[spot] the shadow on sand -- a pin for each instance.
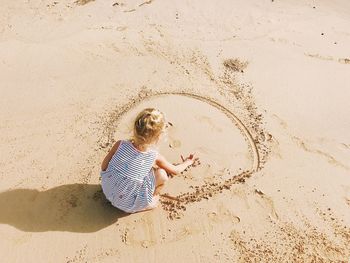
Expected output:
(73, 207)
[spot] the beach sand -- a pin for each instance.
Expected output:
(258, 89)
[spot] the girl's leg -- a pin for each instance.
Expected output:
(161, 177)
(154, 204)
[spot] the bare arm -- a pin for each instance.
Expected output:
(161, 162)
(109, 156)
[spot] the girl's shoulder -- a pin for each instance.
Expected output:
(154, 153)
(129, 144)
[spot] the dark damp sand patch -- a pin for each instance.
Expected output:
(235, 64)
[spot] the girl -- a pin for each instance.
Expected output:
(133, 172)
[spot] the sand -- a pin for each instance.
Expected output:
(258, 89)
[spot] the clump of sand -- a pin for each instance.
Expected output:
(235, 64)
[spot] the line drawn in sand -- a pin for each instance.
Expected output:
(328, 58)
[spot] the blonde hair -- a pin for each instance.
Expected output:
(149, 124)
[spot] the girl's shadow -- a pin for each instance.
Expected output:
(73, 207)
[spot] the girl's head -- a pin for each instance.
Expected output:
(148, 126)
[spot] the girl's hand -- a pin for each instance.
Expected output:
(161, 162)
(190, 159)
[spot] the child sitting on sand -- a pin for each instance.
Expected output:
(133, 172)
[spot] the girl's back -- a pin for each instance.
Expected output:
(128, 181)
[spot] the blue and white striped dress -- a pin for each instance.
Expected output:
(128, 182)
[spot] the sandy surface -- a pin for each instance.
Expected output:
(259, 89)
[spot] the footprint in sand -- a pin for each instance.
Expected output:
(142, 233)
(209, 122)
(216, 217)
(267, 203)
(223, 214)
(185, 231)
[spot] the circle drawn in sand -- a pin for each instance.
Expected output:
(198, 125)
(226, 148)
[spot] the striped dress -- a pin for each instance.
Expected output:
(128, 182)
